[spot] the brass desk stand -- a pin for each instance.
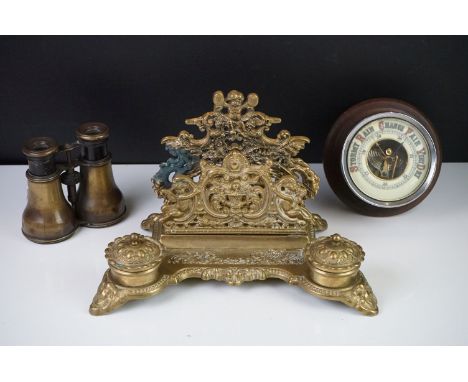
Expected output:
(234, 212)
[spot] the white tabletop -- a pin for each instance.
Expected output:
(416, 263)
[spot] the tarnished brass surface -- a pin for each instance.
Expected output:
(234, 211)
(99, 202)
(40, 147)
(92, 132)
(47, 218)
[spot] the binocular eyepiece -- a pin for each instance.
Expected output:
(98, 202)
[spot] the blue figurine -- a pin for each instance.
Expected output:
(181, 162)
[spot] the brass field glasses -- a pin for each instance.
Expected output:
(98, 202)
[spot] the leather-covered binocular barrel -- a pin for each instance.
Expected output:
(48, 217)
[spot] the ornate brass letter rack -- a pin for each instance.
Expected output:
(234, 212)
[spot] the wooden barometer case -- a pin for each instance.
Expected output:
(382, 157)
(234, 211)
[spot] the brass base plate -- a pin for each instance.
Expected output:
(233, 269)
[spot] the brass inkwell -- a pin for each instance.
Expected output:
(234, 211)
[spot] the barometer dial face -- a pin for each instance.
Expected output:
(388, 158)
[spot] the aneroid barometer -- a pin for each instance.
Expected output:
(382, 157)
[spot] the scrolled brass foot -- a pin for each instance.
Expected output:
(362, 298)
(334, 263)
(108, 297)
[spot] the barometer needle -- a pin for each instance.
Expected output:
(380, 148)
(401, 144)
(394, 167)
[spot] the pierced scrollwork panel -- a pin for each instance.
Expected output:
(235, 188)
(235, 124)
(236, 195)
(236, 177)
